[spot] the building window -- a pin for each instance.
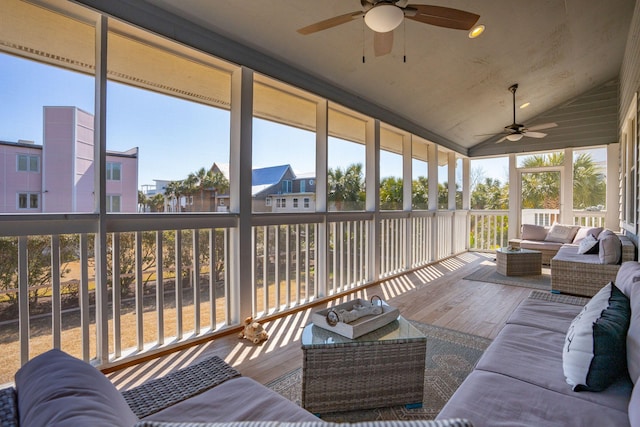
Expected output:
(113, 203)
(286, 186)
(295, 202)
(28, 163)
(306, 202)
(113, 171)
(267, 201)
(629, 162)
(303, 186)
(28, 200)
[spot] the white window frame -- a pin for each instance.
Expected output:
(629, 167)
(111, 167)
(29, 197)
(305, 202)
(28, 158)
(267, 201)
(295, 202)
(110, 199)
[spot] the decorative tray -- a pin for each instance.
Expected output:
(357, 327)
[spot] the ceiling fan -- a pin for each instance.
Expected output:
(515, 131)
(383, 16)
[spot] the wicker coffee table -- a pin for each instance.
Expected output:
(382, 368)
(520, 262)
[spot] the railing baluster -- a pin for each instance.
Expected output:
(159, 288)
(56, 303)
(212, 279)
(116, 289)
(84, 296)
(139, 292)
(23, 298)
(179, 299)
(195, 255)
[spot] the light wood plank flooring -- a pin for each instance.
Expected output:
(436, 294)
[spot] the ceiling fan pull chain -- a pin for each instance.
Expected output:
(404, 41)
(363, 40)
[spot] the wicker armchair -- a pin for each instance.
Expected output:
(586, 279)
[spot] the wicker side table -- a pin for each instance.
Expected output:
(382, 368)
(521, 262)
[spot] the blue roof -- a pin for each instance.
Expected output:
(268, 176)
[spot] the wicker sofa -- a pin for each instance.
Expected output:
(522, 377)
(55, 388)
(573, 272)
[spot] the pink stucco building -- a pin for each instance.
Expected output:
(57, 176)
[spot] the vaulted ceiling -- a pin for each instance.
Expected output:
(452, 90)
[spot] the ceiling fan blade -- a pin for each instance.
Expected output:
(382, 43)
(534, 134)
(504, 138)
(443, 16)
(331, 22)
(542, 126)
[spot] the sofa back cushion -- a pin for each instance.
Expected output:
(55, 388)
(586, 231)
(534, 232)
(562, 233)
(610, 247)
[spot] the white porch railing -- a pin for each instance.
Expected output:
(168, 276)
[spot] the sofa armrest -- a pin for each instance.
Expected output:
(8, 407)
(562, 298)
(452, 422)
(177, 386)
(628, 249)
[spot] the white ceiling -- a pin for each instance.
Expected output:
(451, 85)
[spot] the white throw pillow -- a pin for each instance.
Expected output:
(587, 244)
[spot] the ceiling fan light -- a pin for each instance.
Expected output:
(384, 18)
(515, 137)
(476, 31)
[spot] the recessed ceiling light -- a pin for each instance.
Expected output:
(525, 105)
(476, 31)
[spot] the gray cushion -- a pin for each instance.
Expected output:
(587, 231)
(634, 408)
(561, 233)
(533, 232)
(594, 354)
(55, 388)
(610, 249)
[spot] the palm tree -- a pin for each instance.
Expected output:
(220, 185)
(142, 201)
(345, 185)
(589, 184)
(172, 191)
(391, 193)
(420, 193)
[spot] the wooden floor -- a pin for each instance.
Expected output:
(436, 294)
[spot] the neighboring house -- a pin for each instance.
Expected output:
(278, 189)
(57, 176)
(274, 189)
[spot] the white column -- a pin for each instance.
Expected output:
(407, 195)
(514, 198)
(566, 188)
(612, 217)
(373, 195)
(240, 165)
(451, 180)
(322, 136)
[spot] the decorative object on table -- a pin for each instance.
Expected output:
(253, 331)
(355, 318)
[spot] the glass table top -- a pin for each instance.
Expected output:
(399, 329)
